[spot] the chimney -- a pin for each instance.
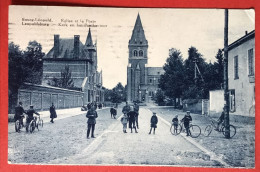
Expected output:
(56, 46)
(246, 32)
(76, 47)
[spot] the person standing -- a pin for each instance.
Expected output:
(19, 112)
(53, 113)
(186, 121)
(91, 115)
(154, 121)
(175, 122)
(132, 116)
(126, 108)
(136, 109)
(124, 121)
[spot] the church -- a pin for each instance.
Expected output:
(142, 81)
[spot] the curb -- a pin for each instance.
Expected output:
(212, 155)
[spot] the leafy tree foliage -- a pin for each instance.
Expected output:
(116, 95)
(179, 79)
(32, 64)
(171, 81)
(159, 98)
(24, 66)
(65, 81)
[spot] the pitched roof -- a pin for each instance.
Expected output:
(241, 40)
(155, 71)
(89, 41)
(138, 36)
(66, 50)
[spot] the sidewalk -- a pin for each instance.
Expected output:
(61, 113)
(238, 151)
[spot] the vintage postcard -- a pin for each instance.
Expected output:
(131, 86)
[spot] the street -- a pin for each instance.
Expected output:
(64, 142)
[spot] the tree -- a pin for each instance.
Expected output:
(65, 81)
(220, 68)
(24, 66)
(16, 74)
(116, 95)
(159, 98)
(191, 83)
(171, 82)
(33, 65)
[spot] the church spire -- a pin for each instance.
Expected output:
(138, 36)
(89, 41)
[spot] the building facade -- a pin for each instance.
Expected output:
(142, 81)
(82, 62)
(241, 75)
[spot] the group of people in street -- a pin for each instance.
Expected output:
(186, 122)
(19, 114)
(130, 116)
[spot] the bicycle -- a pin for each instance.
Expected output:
(220, 128)
(35, 124)
(194, 130)
(19, 124)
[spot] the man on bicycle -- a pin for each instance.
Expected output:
(19, 113)
(221, 118)
(29, 118)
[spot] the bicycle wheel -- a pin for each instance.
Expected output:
(177, 131)
(232, 129)
(17, 126)
(195, 131)
(32, 126)
(208, 130)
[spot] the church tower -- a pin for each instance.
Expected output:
(136, 74)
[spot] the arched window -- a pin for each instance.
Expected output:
(135, 53)
(141, 53)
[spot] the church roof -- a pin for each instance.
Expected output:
(155, 71)
(66, 50)
(138, 36)
(89, 41)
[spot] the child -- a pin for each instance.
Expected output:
(186, 120)
(154, 121)
(175, 123)
(124, 120)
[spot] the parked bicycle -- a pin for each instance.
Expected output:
(35, 124)
(220, 128)
(19, 124)
(195, 130)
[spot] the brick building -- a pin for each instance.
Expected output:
(241, 75)
(82, 62)
(142, 81)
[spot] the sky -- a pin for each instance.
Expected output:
(164, 28)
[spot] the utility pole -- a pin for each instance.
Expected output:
(226, 92)
(195, 70)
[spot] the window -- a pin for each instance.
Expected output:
(251, 69)
(232, 101)
(141, 53)
(236, 67)
(135, 53)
